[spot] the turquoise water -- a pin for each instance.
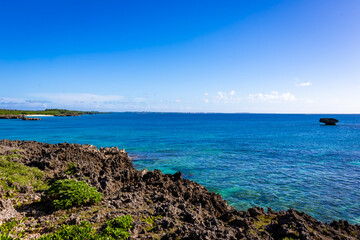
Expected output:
(267, 160)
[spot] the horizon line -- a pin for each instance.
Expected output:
(101, 111)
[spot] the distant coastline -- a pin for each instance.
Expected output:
(29, 114)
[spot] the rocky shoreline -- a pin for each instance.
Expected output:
(23, 117)
(177, 208)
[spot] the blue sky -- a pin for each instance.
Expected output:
(299, 56)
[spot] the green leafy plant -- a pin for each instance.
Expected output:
(68, 193)
(150, 221)
(118, 228)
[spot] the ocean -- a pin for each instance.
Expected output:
(269, 160)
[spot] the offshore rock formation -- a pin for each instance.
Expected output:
(179, 208)
(329, 121)
(30, 119)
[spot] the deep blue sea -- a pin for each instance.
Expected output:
(268, 160)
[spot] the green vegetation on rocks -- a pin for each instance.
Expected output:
(14, 175)
(69, 193)
(6, 237)
(8, 228)
(75, 232)
(117, 228)
(71, 169)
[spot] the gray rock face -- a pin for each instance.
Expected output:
(329, 121)
(7, 210)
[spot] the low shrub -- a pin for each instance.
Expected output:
(69, 193)
(13, 173)
(118, 228)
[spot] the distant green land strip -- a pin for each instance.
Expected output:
(54, 112)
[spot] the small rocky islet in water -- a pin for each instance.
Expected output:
(146, 204)
(329, 121)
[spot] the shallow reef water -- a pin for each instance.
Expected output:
(270, 160)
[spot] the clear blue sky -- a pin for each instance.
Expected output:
(285, 56)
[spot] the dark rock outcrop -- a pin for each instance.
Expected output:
(11, 116)
(20, 116)
(179, 208)
(329, 121)
(30, 119)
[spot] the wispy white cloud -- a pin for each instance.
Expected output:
(226, 97)
(5, 100)
(303, 84)
(80, 97)
(221, 96)
(81, 101)
(272, 97)
(87, 100)
(18, 103)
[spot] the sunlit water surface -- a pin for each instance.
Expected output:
(267, 160)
